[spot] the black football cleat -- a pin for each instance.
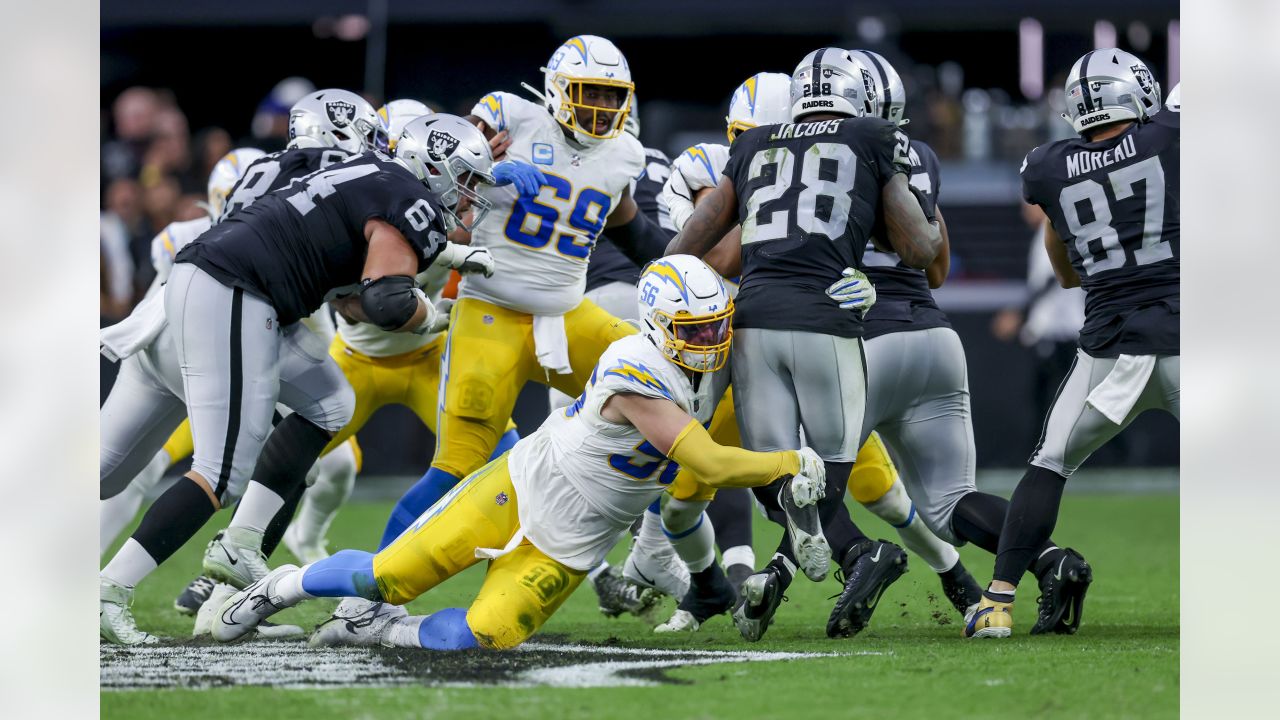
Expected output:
(870, 568)
(1062, 589)
(738, 574)
(759, 600)
(961, 589)
(194, 595)
(709, 594)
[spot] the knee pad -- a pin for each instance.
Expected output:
(679, 516)
(873, 472)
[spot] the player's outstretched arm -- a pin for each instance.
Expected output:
(726, 257)
(390, 298)
(711, 219)
(915, 239)
(941, 266)
(638, 236)
(1057, 249)
(678, 436)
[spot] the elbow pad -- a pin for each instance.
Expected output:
(390, 301)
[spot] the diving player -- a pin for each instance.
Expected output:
(1112, 201)
(535, 324)
(552, 507)
(810, 193)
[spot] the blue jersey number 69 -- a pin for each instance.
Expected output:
(587, 213)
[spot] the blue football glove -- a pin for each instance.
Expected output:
(853, 291)
(524, 176)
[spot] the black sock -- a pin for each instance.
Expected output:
(730, 514)
(979, 519)
(1032, 515)
(290, 451)
(173, 519)
(785, 576)
(275, 531)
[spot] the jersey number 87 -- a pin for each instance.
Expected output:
(532, 222)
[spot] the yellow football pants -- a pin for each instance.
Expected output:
(489, 357)
(521, 589)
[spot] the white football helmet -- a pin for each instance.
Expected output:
(829, 80)
(1107, 86)
(226, 173)
(632, 124)
(396, 114)
(686, 312)
(450, 156)
(1174, 101)
(588, 61)
(764, 99)
(337, 119)
(891, 96)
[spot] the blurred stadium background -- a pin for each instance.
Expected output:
(182, 84)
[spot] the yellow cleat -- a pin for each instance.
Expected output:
(992, 619)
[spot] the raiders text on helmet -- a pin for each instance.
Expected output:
(830, 80)
(1109, 85)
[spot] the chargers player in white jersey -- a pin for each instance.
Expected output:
(551, 508)
(535, 324)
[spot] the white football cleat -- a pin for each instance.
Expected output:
(115, 622)
(657, 567)
(217, 597)
(813, 554)
(242, 612)
(357, 621)
(307, 550)
(681, 621)
(234, 556)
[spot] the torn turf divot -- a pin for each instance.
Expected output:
(293, 665)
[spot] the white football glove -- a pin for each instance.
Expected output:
(437, 319)
(854, 291)
(466, 259)
(810, 485)
(695, 169)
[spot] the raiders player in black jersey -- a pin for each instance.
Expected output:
(808, 194)
(1112, 201)
(355, 234)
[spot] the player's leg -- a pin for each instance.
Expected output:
(521, 591)
(335, 473)
(487, 359)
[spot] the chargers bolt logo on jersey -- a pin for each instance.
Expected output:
(440, 144)
(340, 112)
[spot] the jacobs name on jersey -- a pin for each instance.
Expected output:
(808, 196)
(1115, 204)
(305, 244)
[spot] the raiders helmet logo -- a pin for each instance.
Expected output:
(441, 145)
(869, 84)
(340, 112)
(1143, 76)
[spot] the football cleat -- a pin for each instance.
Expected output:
(760, 598)
(869, 569)
(1062, 591)
(357, 621)
(115, 621)
(217, 597)
(657, 567)
(993, 619)
(194, 595)
(710, 594)
(804, 527)
(242, 612)
(307, 550)
(234, 557)
(618, 596)
(738, 574)
(961, 589)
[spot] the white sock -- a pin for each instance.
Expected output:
(895, 508)
(595, 572)
(403, 632)
(335, 478)
(116, 512)
(259, 504)
(131, 563)
(650, 534)
(740, 555)
(289, 588)
(690, 532)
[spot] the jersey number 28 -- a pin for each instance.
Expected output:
(774, 224)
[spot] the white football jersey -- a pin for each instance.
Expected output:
(174, 237)
(541, 247)
(580, 480)
(702, 165)
(373, 341)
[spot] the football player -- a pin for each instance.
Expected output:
(1111, 197)
(552, 507)
(535, 324)
(827, 175)
(355, 233)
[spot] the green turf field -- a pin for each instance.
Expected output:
(910, 663)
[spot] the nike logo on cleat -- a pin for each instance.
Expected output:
(876, 557)
(1057, 575)
(229, 557)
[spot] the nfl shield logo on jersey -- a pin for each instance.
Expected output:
(340, 113)
(440, 144)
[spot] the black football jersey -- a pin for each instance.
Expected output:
(1115, 205)
(608, 263)
(272, 172)
(808, 198)
(903, 299)
(305, 244)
